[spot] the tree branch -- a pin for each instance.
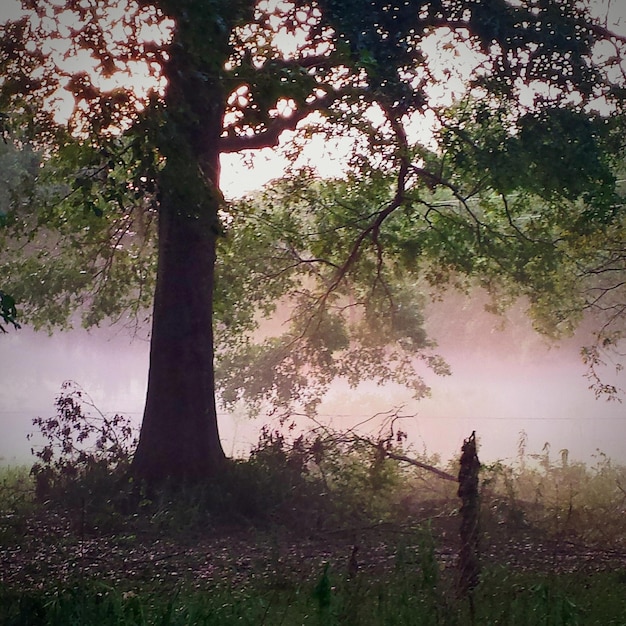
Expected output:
(605, 33)
(270, 137)
(424, 466)
(373, 229)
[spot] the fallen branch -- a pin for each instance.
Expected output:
(425, 466)
(379, 444)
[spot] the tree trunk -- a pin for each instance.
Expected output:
(179, 437)
(179, 434)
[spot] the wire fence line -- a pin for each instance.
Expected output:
(491, 418)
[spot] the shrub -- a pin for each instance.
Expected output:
(325, 477)
(304, 482)
(83, 450)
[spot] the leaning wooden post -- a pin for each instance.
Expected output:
(469, 564)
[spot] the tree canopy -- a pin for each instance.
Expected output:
(485, 144)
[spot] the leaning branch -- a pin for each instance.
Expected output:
(424, 466)
(380, 445)
(395, 456)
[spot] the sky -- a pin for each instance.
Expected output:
(504, 380)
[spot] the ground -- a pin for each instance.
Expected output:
(52, 547)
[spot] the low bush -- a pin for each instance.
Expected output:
(303, 482)
(84, 453)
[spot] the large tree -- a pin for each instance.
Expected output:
(524, 99)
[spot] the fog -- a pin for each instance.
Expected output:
(504, 381)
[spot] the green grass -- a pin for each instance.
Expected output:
(16, 487)
(403, 598)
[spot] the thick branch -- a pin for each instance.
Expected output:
(373, 229)
(351, 436)
(605, 33)
(270, 137)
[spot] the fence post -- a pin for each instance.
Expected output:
(469, 563)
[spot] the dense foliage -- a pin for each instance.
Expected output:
(485, 144)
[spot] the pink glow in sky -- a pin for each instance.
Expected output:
(503, 382)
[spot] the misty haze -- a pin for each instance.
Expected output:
(506, 378)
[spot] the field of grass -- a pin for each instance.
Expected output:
(311, 531)
(401, 598)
